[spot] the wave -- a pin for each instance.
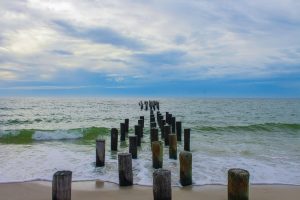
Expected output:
(25, 136)
(266, 127)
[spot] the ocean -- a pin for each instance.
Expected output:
(39, 136)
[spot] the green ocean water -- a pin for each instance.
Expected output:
(47, 134)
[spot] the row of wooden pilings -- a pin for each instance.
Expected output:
(151, 104)
(171, 132)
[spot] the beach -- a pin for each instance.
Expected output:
(91, 190)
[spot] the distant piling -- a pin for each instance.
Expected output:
(114, 139)
(157, 154)
(162, 129)
(125, 169)
(178, 130)
(162, 189)
(141, 123)
(122, 132)
(173, 146)
(152, 125)
(153, 134)
(100, 153)
(133, 146)
(61, 185)
(173, 124)
(238, 184)
(137, 132)
(167, 131)
(187, 133)
(126, 126)
(185, 159)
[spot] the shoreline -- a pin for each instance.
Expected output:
(39, 190)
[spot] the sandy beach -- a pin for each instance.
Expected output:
(103, 190)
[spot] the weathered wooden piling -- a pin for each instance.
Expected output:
(114, 139)
(173, 124)
(157, 154)
(238, 184)
(153, 134)
(162, 189)
(152, 125)
(169, 118)
(185, 159)
(122, 132)
(152, 118)
(137, 132)
(173, 146)
(167, 131)
(125, 169)
(162, 129)
(133, 146)
(61, 185)
(143, 118)
(127, 125)
(187, 133)
(100, 153)
(141, 123)
(178, 130)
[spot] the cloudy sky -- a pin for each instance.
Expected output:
(225, 48)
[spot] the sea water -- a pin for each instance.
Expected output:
(39, 136)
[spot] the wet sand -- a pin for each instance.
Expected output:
(91, 190)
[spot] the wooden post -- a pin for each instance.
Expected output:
(167, 131)
(141, 123)
(137, 132)
(162, 189)
(238, 184)
(172, 146)
(152, 125)
(143, 118)
(152, 118)
(178, 130)
(61, 185)
(122, 132)
(133, 146)
(168, 120)
(185, 159)
(187, 133)
(162, 129)
(125, 169)
(153, 134)
(173, 123)
(157, 154)
(100, 153)
(127, 125)
(114, 139)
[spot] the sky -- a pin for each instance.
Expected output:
(201, 48)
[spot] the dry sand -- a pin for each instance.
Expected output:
(90, 190)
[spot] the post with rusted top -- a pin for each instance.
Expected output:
(126, 126)
(185, 159)
(137, 132)
(178, 130)
(100, 153)
(133, 146)
(173, 146)
(153, 134)
(157, 154)
(122, 132)
(187, 133)
(167, 131)
(238, 184)
(162, 189)
(114, 139)
(125, 169)
(61, 185)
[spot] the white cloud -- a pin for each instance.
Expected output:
(219, 38)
